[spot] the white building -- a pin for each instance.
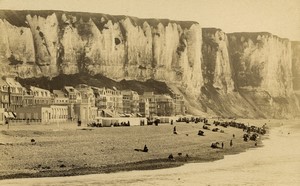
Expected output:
(41, 96)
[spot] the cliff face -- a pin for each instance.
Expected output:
(262, 64)
(248, 74)
(262, 61)
(239, 74)
(296, 65)
(117, 47)
(217, 68)
(296, 68)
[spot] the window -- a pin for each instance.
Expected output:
(35, 116)
(5, 88)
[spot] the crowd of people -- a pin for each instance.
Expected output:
(260, 130)
(115, 124)
(251, 132)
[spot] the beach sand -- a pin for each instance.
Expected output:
(68, 150)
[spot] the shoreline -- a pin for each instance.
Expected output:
(152, 164)
(148, 164)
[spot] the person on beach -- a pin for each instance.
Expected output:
(174, 130)
(222, 145)
(231, 143)
(233, 135)
(156, 122)
(171, 157)
(145, 148)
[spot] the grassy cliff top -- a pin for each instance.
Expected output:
(18, 18)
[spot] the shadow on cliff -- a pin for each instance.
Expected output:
(228, 104)
(58, 82)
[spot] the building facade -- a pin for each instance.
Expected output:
(144, 107)
(85, 110)
(110, 100)
(130, 102)
(83, 103)
(28, 98)
(60, 98)
(37, 113)
(15, 94)
(102, 98)
(150, 96)
(73, 94)
(4, 96)
(43, 114)
(179, 108)
(165, 105)
(41, 96)
(59, 113)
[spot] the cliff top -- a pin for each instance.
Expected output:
(18, 18)
(253, 35)
(210, 30)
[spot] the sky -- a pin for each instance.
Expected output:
(279, 17)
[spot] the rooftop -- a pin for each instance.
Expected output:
(70, 89)
(59, 93)
(2, 82)
(33, 88)
(12, 82)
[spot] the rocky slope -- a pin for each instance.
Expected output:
(239, 74)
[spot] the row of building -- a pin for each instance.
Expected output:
(82, 102)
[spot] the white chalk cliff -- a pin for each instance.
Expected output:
(238, 74)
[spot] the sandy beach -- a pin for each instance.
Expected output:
(68, 150)
(276, 163)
